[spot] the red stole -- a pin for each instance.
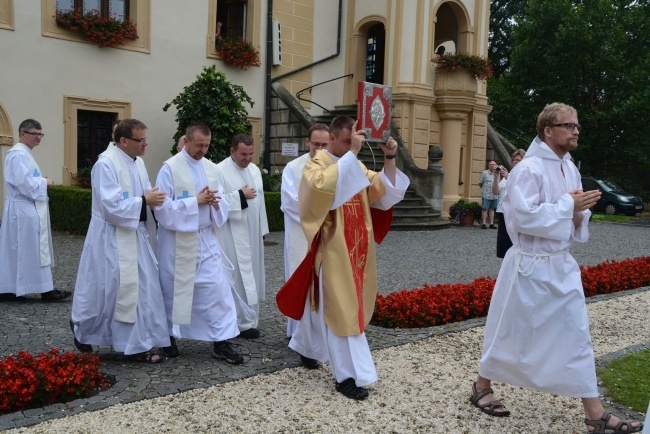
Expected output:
(292, 295)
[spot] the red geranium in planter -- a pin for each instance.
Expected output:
(237, 52)
(101, 31)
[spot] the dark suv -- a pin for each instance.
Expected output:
(614, 200)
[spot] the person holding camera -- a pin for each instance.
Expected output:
(489, 199)
(499, 188)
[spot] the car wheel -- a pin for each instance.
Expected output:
(611, 209)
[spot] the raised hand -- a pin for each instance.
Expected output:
(390, 147)
(357, 139)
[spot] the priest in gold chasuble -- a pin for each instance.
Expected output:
(344, 209)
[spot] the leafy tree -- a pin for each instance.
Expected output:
(593, 55)
(504, 15)
(216, 102)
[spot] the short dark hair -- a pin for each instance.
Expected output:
(198, 127)
(241, 138)
(318, 127)
(125, 128)
(341, 123)
(29, 124)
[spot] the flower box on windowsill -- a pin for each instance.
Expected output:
(237, 52)
(98, 30)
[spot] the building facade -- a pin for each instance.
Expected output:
(75, 89)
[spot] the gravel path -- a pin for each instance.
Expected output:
(423, 387)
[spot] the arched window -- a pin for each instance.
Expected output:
(375, 49)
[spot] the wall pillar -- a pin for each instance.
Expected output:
(451, 126)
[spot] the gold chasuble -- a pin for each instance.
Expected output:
(342, 249)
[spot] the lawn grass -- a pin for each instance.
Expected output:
(598, 217)
(628, 380)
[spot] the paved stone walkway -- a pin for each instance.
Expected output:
(405, 260)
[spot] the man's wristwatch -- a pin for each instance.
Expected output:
(390, 157)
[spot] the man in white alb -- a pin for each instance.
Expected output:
(193, 275)
(242, 237)
(295, 244)
(25, 237)
(537, 330)
(117, 297)
(344, 210)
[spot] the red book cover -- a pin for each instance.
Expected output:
(374, 110)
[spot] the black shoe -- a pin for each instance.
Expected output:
(84, 348)
(55, 295)
(493, 226)
(349, 388)
(224, 350)
(251, 333)
(483, 226)
(309, 363)
(172, 350)
(12, 297)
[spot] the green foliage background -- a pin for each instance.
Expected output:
(591, 54)
(213, 100)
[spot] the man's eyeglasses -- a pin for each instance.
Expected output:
(319, 145)
(31, 133)
(568, 125)
(143, 140)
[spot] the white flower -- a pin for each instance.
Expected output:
(264, 171)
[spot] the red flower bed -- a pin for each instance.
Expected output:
(444, 303)
(27, 381)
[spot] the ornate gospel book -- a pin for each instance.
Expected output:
(374, 105)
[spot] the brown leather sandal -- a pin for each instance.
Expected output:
(600, 425)
(145, 357)
(493, 408)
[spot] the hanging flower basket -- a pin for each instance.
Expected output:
(477, 66)
(237, 52)
(98, 30)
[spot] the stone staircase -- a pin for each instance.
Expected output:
(413, 213)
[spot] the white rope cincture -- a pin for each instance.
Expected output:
(526, 272)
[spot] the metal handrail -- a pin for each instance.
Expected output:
(300, 92)
(515, 135)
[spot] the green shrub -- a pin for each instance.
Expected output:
(273, 212)
(216, 102)
(70, 208)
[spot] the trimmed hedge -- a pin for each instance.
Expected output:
(70, 209)
(273, 213)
